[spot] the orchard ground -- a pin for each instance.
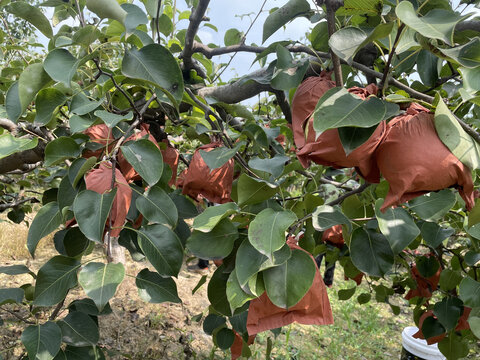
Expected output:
(138, 330)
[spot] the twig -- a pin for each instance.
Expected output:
(18, 316)
(56, 311)
(383, 83)
(157, 26)
(16, 203)
(358, 190)
(195, 19)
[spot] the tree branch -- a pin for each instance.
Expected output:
(13, 204)
(8, 125)
(19, 160)
(195, 19)
(473, 25)
(284, 105)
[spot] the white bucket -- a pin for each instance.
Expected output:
(419, 347)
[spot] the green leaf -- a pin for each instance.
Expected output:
(434, 205)
(250, 261)
(287, 284)
(10, 145)
(212, 215)
(431, 327)
(449, 279)
(100, 281)
(462, 145)
(145, 158)
(200, 283)
(157, 207)
(217, 291)
(47, 219)
(467, 55)
(91, 211)
(364, 298)
(235, 295)
(448, 311)
(436, 24)
(353, 137)
(54, 279)
(326, 216)
(427, 65)
(61, 149)
(216, 244)
(472, 258)
(15, 270)
(79, 329)
(156, 64)
(345, 294)
(272, 166)
(267, 231)
(471, 78)
(22, 93)
(112, 120)
(434, 235)
(319, 37)
(82, 105)
(253, 191)
(162, 248)
(107, 9)
(33, 15)
(280, 17)
(232, 37)
(42, 341)
(185, 207)
(453, 346)
(46, 102)
(371, 252)
(224, 338)
(218, 157)
(83, 353)
(346, 42)
(339, 108)
(360, 7)
(79, 168)
(288, 73)
(427, 266)
(212, 322)
(75, 243)
(397, 225)
(469, 291)
(156, 289)
(61, 65)
(474, 322)
(135, 16)
(11, 295)
(86, 35)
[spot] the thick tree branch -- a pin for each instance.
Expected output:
(8, 125)
(284, 105)
(19, 160)
(195, 19)
(16, 203)
(473, 25)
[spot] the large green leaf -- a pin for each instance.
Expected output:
(83, 353)
(91, 211)
(471, 78)
(339, 108)
(100, 281)
(79, 329)
(216, 244)
(326, 216)
(462, 145)
(235, 295)
(469, 291)
(145, 158)
(10, 144)
(135, 16)
(288, 12)
(22, 93)
(16, 270)
(436, 24)
(267, 231)
(434, 235)
(82, 105)
(272, 166)
(32, 14)
(218, 157)
(252, 191)
(112, 120)
(162, 248)
(61, 65)
(157, 207)
(474, 322)
(250, 261)
(217, 291)
(453, 347)
(434, 205)
(353, 137)
(42, 341)
(46, 102)
(156, 289)
(107, 9)
(48, 218)
(467, 55)
(156, 64)
(54, 279)
(371, 252)
(61, 149)
(397, 225)
(212, 215)
(11, 295)
(289, 73)
(448, 311)
(449, 279)
(287, 284)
